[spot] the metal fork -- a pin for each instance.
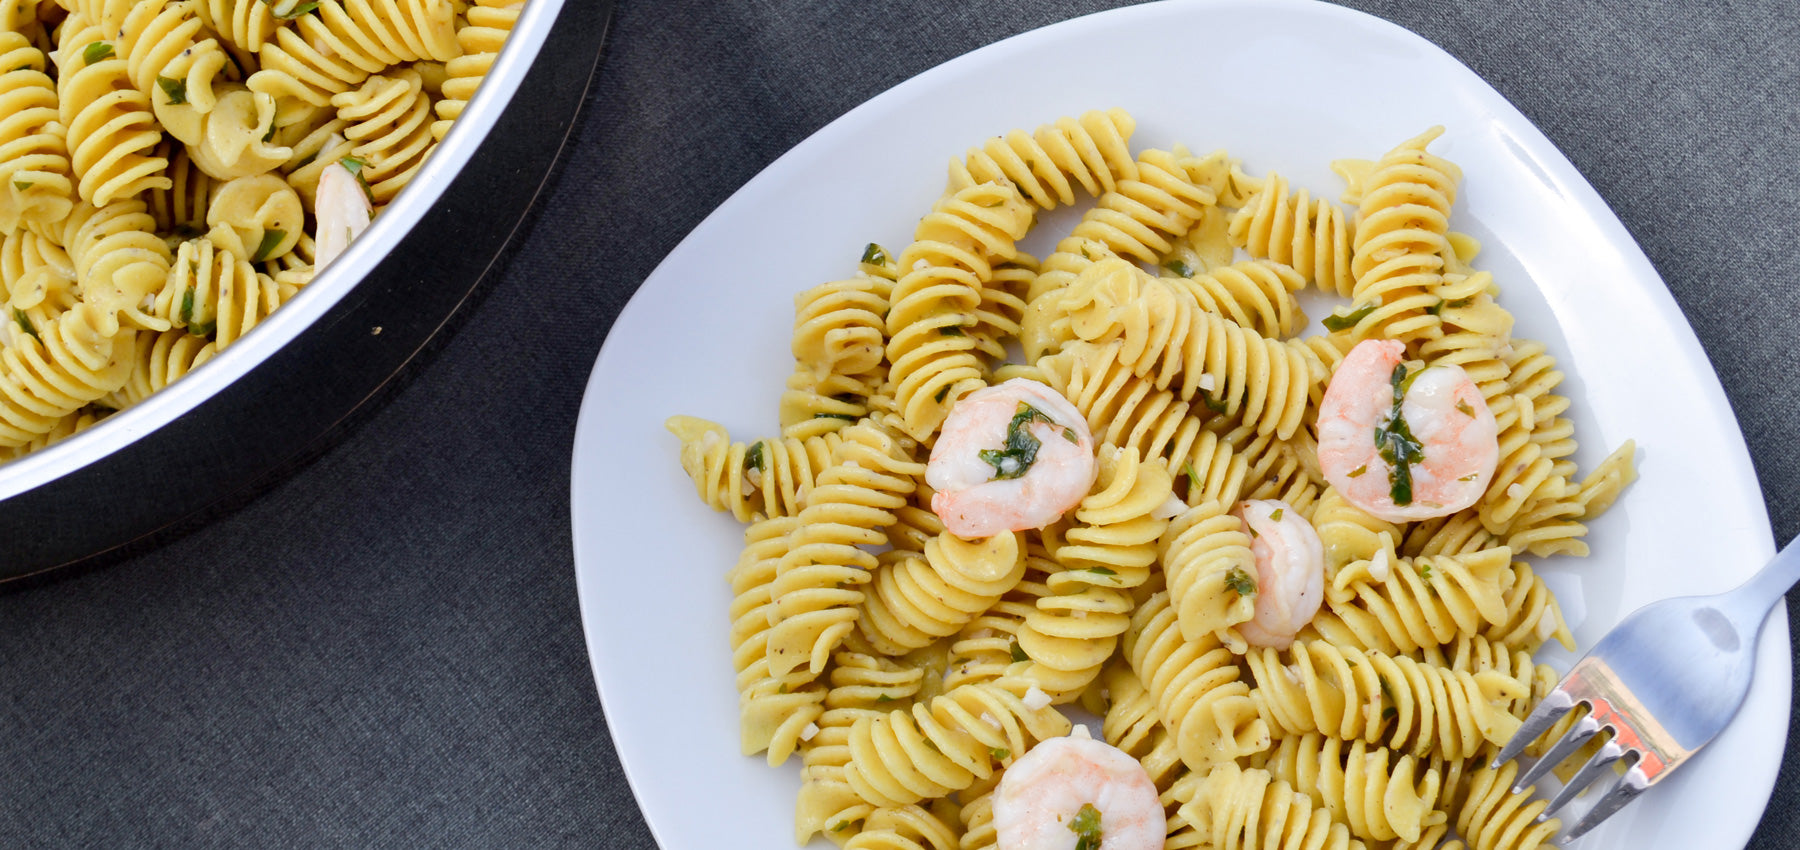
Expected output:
(1663, 683)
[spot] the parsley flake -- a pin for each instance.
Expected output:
(951, 330)
(176, 90)
(1357, 471)
(287, 10)
(1277, 514)
(1102, 571)
(753, 457)
(1424, 570)
(1240, 582)
(1179, 268)
(1022, 446)
(1396, 444)
(844, 416)
(939, 398)
(271, 240)
(1000, 753)
(1086, 826)
(25, 323)
(95, 52)
(1341, 321)
(1018, 652)
(875, 255)
(1464, 408)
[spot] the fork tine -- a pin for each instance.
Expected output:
(1584, 777)
(1629, 786)
(1571, 741)
(1549, 710)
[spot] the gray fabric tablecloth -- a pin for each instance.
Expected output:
(385, 650)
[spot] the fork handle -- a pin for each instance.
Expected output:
(1749, 604)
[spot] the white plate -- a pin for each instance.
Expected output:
(1284, 85)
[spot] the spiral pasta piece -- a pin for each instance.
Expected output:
(934, 362)
(1166, 338)
(36, 183)
(1002, 309)
(342, 42)
(1400, 241)
(773, 710)
(861, 686)
(1197, 686)
(1348, 532)
(839, 327)
(214, 294)
(67, 427)
(904, 828)
(180, 209)
(1090, 151)
(1122, 408)
(161, 358)
(1392, 700)
(390, 127)
(1379, 794)
(1413, 603)
(172, 58)
(817, 595)
(1211, 572)
(1526, 472)
(913, 600)
(1257, 295)
(65, 365)
(489, 23)
(120, 263)
(259, 218)
(112, 133)
(243, 25)
(35, 272)
(946, 745)
(764, 478)
(1312, 237)
(1073, 629)
(1492, 817)
(1238, 808)
(987, 649)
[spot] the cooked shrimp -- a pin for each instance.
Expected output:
(1011, 457)
(342, 212)
(1290, 572)
(1430, 455)
(1066, 788)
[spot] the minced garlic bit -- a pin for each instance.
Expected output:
(1036, 699)
(1170, 508)
(990, 720)
(1080, 730)
(1379, 568)
(810, 730)
(753, 478)
(1515, 491)
(709, 439)
(1208, 383)
(1546, 625)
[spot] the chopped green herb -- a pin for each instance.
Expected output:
(271, 240)
(1102, 570)
(271, 134)
(849, 398)
(1389, 713)
(304, 162)
(1424, 568)
(1340, 321)
(1436, 309)
(1179, 268)
(1277, 514)
(1000, 753)
(951, 330)
(997, 202)
(1086, 826)
(1396, 443)
(1464, 408)
(753, 457)
(1085, 255)
(1240, 582)
(1461, 302)
(356, 166)
(95, 52)
(847, 417)
(1018, 652)
(1470, 477)
(1069, 434)
(875, 255)
(205, 329)
(25, 67)
(176, 90)
(1021, 445)
(884, 698)
(939, 398)
(287, 10)
(1386, 693)
(1215, 405)
(187, 306)
(22, 185)
(1357, 471)
(25, 322)
(1188, 467)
